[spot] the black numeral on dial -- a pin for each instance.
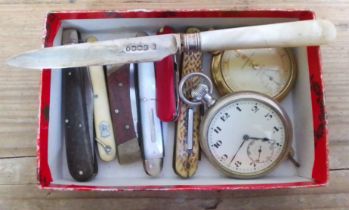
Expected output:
(217, 144)
(217, 129)
(255, 108)
(225, 116)
(276, 129)
(253, 164)
(268, 116)
(223, 157)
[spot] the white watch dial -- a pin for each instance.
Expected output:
(246, 136)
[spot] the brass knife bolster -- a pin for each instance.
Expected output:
(186, 160)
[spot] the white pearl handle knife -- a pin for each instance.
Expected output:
(102, 118)
(152, 141)
(154, 48)
(151, 131)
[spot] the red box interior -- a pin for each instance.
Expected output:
(320, 168)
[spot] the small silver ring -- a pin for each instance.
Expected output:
(181, 86)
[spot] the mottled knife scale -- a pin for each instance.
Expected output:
(77, 117)
(186, 154)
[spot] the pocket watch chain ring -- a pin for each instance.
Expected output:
(201, 93)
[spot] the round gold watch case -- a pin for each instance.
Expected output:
(223, 86)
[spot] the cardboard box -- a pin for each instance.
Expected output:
(304, 105)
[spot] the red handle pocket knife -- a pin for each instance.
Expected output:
(166, 92)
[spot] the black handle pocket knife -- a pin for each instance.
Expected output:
(77, 117)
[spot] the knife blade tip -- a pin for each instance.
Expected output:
(23, 60)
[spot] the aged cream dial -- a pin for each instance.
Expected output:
(271, 71)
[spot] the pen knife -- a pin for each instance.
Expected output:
(166, 80)
(157, 47)
(123, 109)
(102, 119)
(187, 149)
(77, 112)
(151, 131)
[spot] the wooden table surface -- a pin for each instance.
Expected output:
(21, 24)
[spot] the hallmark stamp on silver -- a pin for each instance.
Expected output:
(140, 47)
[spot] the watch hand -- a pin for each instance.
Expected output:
(248, 60)
(245, 138)
(256, 138)
(270, 78)
(259, 153)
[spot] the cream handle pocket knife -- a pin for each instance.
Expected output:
(102, 118)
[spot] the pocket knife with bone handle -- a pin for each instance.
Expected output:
(187, 149)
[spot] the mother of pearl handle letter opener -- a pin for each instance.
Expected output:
(157, 47)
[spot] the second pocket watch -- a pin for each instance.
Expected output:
(271, 71)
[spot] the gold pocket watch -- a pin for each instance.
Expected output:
(271, 71)
(244, 134)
